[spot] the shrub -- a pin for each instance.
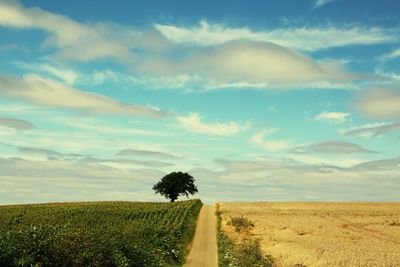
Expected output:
(241, 223)
(240, 254)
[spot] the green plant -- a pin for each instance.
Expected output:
(241, 223)
(239, 254)
(174, 185)
(97, 234)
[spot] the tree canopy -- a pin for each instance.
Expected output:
(176, 184)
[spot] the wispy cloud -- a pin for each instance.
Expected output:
(336, 117)
(64, 74)
(388, 76)
(390, 56)
(258, 139)
(302, 39)
(145, 153)
(194, 123)
(392, 164)
(333, 147)
(147, 163)
(17, 124)
(256, 166)
(75, 41)
(293, 168)
(61, 180)
(371, 130)
(265, 58)
(47, 92)
(48, 153)
(292, 176)
(321, 3)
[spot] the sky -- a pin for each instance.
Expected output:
(257, 100)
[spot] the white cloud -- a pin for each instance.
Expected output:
(76, 41)
(61, 180)
(6, 131)
(390, 56)
(336, 117)
(333, 147)
(193, 123)
(146, 153)
(320, 3)
(242, 59)
(114, 130)
(303, 39)
(371, 130)
(47, 92)
(120, 162)
(258, 139)
(315, 159)
(395, 77)
(249, 62)
(64, 74)
(379, 103)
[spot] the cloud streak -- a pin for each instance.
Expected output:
(17, 124)
(145, 153)
(302, 39)
(193, 123)
(334, 147)
(47, 92)
(371, 130)
(336, 117)
(48, 153)
(321, 3)
(61, 180)
(390, 56)
(258, 140)
(147, 163)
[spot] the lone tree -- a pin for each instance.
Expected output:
(176, 184)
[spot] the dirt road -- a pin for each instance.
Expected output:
(204, 249)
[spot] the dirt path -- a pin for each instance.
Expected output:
(204, 248)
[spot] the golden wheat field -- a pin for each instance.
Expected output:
(322, 234)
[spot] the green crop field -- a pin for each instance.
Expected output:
(97, 233)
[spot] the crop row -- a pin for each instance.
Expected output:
(97, 234)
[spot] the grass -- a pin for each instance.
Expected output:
(246, 253)
(97, 234)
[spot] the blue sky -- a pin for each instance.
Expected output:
(258, 100)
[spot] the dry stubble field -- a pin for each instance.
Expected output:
(322, 234)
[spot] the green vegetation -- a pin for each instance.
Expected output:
(241, 223)
(246, 253)
(176, 184)
(97, 234)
